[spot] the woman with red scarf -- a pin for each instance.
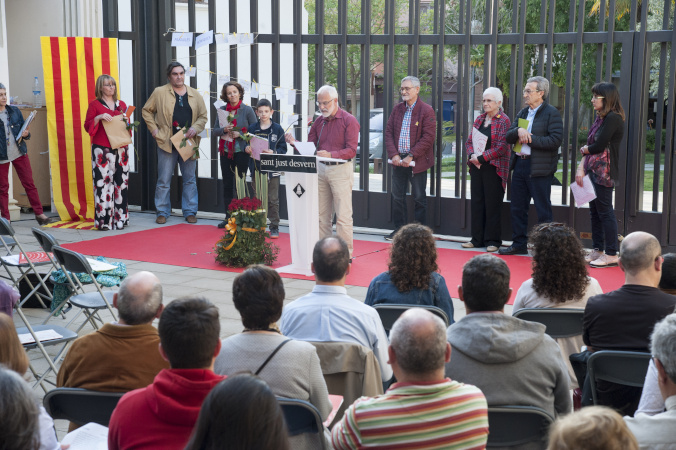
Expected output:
(231, 146)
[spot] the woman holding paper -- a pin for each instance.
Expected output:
(488, 160)
(110, 166)
(600, 164)
(13, 149)
(231, 145)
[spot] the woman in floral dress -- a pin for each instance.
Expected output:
(110, 166)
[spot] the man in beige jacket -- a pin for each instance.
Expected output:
(170, 108)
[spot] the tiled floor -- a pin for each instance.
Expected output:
(178, 281)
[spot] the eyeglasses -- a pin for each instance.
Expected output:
(323, 104)
(108, 85)
(528, 91)
(406, 89)
(594, 97)
(546, 226)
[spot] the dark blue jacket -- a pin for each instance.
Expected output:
(276, 142)
(15, 123)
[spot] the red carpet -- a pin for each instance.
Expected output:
(192, 246)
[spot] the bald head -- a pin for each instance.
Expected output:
(330, 259)
(139, 299)
(418, 339)
(638, 252)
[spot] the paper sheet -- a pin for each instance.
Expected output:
(191, 72)
(258, 146)
(306, 148)
(519, 148)
(291, 100)
(44, 335)
(204, 39)
(233, 39)
(479, 141)
(26, 124)
(254, 90)
(411, 164)
(88, 437)
(280, 93)
(181, 39)
(218, 103)
(243, 38)
(222, 79)
(222, 117)
(584, 194)
(246, 84)
(100, 266)
(187, 151)
(221, 38)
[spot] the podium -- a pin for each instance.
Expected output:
(302, 204)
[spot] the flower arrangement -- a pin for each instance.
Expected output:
(184, 141)
(245, 241)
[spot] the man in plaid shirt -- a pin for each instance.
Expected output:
(409, 139)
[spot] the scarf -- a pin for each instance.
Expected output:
(223, 142)
(594, 128)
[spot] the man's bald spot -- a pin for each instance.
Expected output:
(143, 281)
(139, 298)
(420, 324)
(638, 251)
(418, 339)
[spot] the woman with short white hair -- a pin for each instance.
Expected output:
(488, 168)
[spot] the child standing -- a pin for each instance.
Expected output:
(274, 133)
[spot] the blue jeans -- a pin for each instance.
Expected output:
(400, 178)
(603, 221)
(166, 163)
(525, 187)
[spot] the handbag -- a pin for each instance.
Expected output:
(117, 132)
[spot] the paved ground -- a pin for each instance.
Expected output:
(178, 281)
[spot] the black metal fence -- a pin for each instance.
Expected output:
(457, 48)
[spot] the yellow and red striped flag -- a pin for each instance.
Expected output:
(71, 66)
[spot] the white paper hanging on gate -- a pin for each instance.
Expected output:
(479, 141)
(280, 93)
(222, 79)
(254, 90)
(221, 38)
(243, 38)
(191, 72)
(246, 84)
(292, 97)
(233, 39)
(204, 39)
(181, 39)
(583, 194)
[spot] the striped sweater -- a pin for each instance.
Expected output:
(436, 415)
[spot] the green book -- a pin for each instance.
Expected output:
(523, 123)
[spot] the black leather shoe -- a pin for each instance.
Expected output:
(511, 250)
(223, 224)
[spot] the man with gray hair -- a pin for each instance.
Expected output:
(335, 134)
(538, 129)
(623, 319)
(409, 141)
(120, 356)
(659, 431)
(423, 409)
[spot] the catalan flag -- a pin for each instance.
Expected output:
(71, 66)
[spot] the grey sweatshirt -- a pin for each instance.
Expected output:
(511, 360)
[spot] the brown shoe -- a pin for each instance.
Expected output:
(191, 219)
(161, 220)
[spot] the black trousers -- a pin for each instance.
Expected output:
(487, 195)
(241, 162)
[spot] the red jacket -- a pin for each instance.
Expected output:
(163, 414)
(423, 130)
(96, 130)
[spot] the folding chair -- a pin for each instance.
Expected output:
(13, 263)
(48, 242)
(81, 406)
(517, 425)
(89, 302)
(560, 322)
(67, 336)
(302, 417)
(619, 367)
(389, 313)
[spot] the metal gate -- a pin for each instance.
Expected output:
(457, 48)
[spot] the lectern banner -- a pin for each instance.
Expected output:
(272, 162)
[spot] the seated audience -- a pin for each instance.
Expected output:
(651, 402)
(291, 368)
(623, 319)
(559, 280)
(591, 428)
(511, 360)
(412, 276)
(14, 357)
(240, 413)
(659, 431)
(120, 356)
(328, 314)
(19, 424)
(423, 409)
(163, 414)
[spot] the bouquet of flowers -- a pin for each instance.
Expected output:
(245, 242)
(184, 141)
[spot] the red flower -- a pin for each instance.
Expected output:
(234, 123)
(175, 124)
(244, 130)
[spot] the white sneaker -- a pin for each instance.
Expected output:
(605, 261)
(467, 245)
(593, 255)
